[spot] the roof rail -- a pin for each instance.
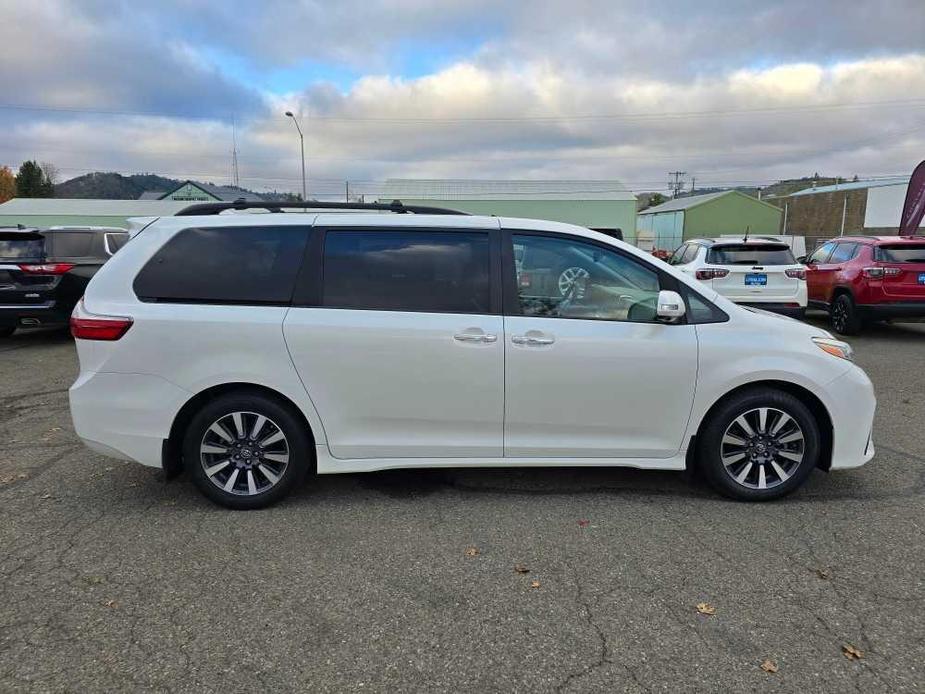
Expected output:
(396, 206)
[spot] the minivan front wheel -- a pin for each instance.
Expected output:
(246, 451)
(759, 445)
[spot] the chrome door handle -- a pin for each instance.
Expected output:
(475, 337)
(531, 340)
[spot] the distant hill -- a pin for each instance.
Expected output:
(113, 186)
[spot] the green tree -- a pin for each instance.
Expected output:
(32, 182)
(656, 199)
(7, 184)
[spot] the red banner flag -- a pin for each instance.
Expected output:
(914, 208)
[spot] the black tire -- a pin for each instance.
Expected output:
(6, 331)
(711, 446)
(844, 316)
(281, 417)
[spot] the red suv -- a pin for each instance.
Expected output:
(868, 278)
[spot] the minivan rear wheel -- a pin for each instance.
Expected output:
(6, 331)
(246, 451)
(759, 445)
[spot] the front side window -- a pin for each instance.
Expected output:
(690, 254)
(568, 278)
(409, 270)
(843, 252)
(225, 265)
(821, 254)
(677, 258)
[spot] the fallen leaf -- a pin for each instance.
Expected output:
(769, 666)
(825, 573)
(521, 569)
(110, 603)
(22, 475)
(705, 608)
(534, 584)
(45, 496)
(850, 652)
(472, 551)
(583, 523)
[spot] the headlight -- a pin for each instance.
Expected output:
(836, 348)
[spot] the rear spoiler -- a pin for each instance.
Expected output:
(136, 225)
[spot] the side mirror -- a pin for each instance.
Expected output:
(670, 307)
(802, 259)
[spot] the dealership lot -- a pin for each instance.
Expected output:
(114, 579)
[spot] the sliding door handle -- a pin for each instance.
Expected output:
(532, 340)
(484, 338)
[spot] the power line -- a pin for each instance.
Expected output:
(492, 119)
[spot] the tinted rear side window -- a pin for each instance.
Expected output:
(901, 253)
(434, 271)
(75, 244)
(751, 254)
(20, 246)
(236, 265)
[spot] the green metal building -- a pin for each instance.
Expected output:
(47, 212)
(668, 225)
(603, 205)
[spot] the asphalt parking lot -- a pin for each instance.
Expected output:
(116, 580)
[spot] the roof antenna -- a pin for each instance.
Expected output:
(746, 233)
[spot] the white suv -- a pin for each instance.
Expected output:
(252, 349)
(759, 272)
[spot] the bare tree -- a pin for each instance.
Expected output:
(52, 174)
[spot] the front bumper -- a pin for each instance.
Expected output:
(851, 404)
(783, 309)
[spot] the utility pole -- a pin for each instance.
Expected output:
(302, 146)
(693, 184)
(676, 185)
(346, 191)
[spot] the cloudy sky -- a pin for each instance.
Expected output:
(734, 92)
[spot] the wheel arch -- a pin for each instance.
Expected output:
(804, 395)
(172, 453)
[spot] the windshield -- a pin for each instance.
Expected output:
(21, 246)
(901, 253)
(751, 254)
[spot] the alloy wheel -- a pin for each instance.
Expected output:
(569, 277)
(762, 448)
(244, 453)
(839, 317)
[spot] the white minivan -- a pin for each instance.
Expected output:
(252, 349)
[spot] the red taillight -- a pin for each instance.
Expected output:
(711, 273)
(46, 268)
(99, 328)
(796, 274)
(878, 273)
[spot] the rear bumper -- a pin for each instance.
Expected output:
(25, 315)
(125, 416)
(783, 309)
(904, 309)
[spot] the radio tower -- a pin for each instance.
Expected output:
(234, 155)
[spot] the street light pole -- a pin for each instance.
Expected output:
(302, 145)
